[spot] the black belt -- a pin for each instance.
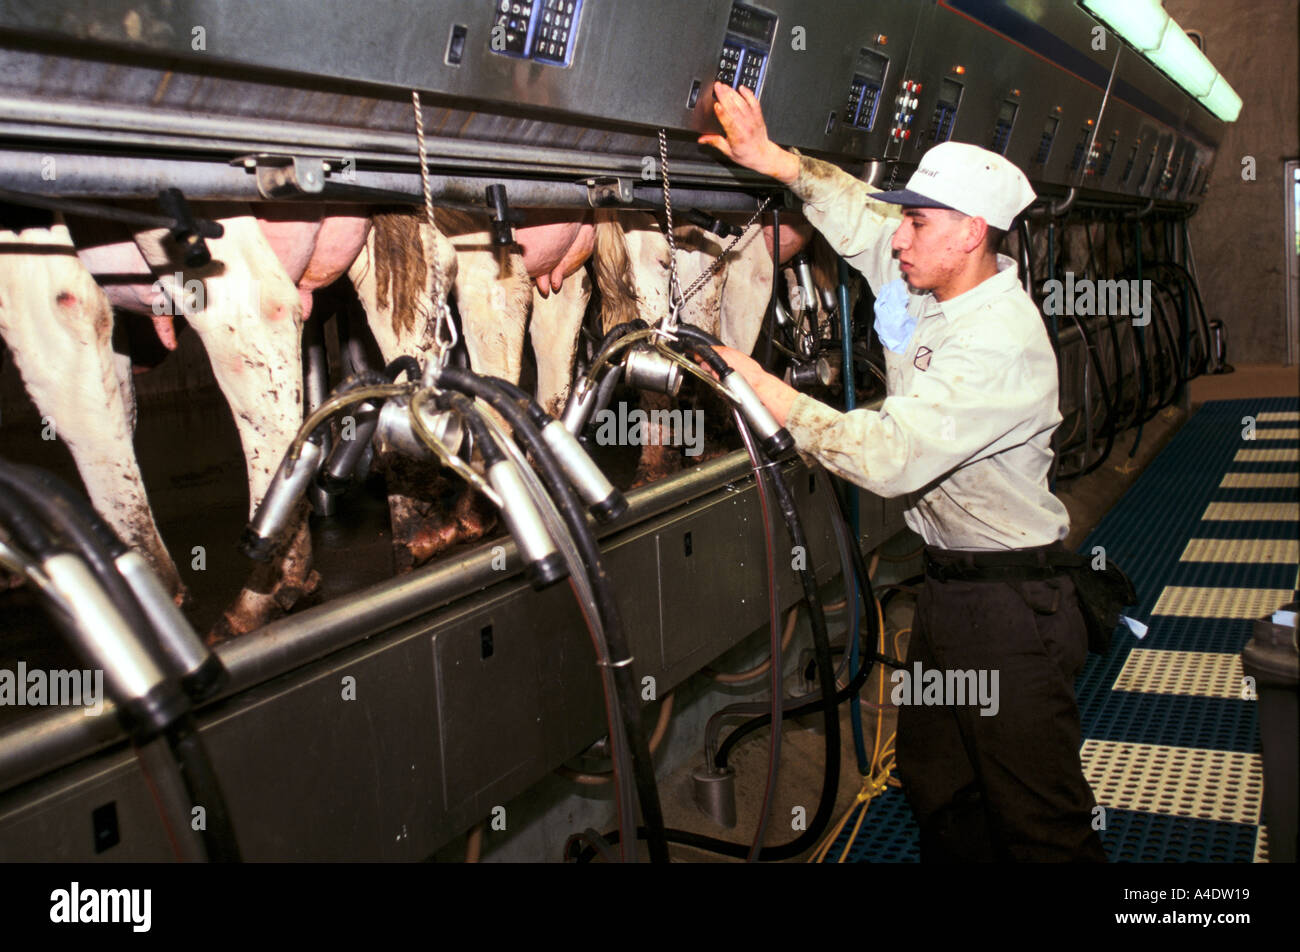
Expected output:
(1012, 565)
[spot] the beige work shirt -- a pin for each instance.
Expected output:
(965, 431)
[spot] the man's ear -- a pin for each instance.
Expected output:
(976, 230)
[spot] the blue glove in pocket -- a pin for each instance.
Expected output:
(893, 324)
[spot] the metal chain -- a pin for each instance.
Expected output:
(443, 324)
(676, 297)
(717, 262)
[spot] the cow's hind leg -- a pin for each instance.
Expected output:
(251, 327)
(429, 509)
(58, 325)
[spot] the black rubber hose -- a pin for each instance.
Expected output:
(70, 516)
(490, 391)
(827, 702)
(613, 334)
(99, 545)
(404, 364)
(702, 344)
(855, 685)
(776, 282)
(201, 781)
(1196, 294)
(459, 404)
(27, 531)
(1110, 410)
(1185, 319)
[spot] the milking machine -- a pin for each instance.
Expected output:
(440, 415)
(117, 618)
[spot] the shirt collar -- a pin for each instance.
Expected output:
(1005, 280)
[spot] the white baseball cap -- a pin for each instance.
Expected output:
(967, 179)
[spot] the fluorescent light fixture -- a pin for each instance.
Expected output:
(1222, 100)
(1183, 61)
(1141, 22)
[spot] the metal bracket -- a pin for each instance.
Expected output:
(1055, 209)
(286, 176)
(1142, 213)
(608, 190)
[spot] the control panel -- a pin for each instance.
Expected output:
(945, 111)
(1170, 173)
(1128, 166)
(747, 47)
(1081, 147)
(541, 30)
(1164, 171)
(864, 93)
(1099, 161)
(904, 110)
(1046, 140)
(1002, 128)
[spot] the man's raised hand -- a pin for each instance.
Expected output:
(745, 139)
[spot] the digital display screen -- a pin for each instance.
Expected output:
(1007, 112)
(751, 24)
(871, 66)
(1049, 129)
(950, 93)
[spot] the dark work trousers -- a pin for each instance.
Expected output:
(1006, 787)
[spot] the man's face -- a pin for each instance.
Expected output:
(928, 246)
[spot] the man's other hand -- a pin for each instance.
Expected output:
(745, 139)
(775, 393)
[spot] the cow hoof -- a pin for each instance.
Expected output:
(644, 477)
(224, 630)
(288, 593)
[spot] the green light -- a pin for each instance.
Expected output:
(1183, 61)
(1141, 22)
(1222, 100)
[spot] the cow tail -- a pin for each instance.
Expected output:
(401, 270)
(614, 272)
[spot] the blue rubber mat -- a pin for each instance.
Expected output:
(1146, 533)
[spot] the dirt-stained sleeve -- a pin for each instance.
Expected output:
(840, 207)
(977, 398)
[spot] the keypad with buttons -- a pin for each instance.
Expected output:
(746, 47)
(538, 29)
(729, 63)
(864, 90)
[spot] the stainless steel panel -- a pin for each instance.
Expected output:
(995, 71)
(724, 571)
(807, 85)
(331, 78)
(487, 706)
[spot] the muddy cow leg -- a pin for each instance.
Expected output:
(251, 326)
(58, 325)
